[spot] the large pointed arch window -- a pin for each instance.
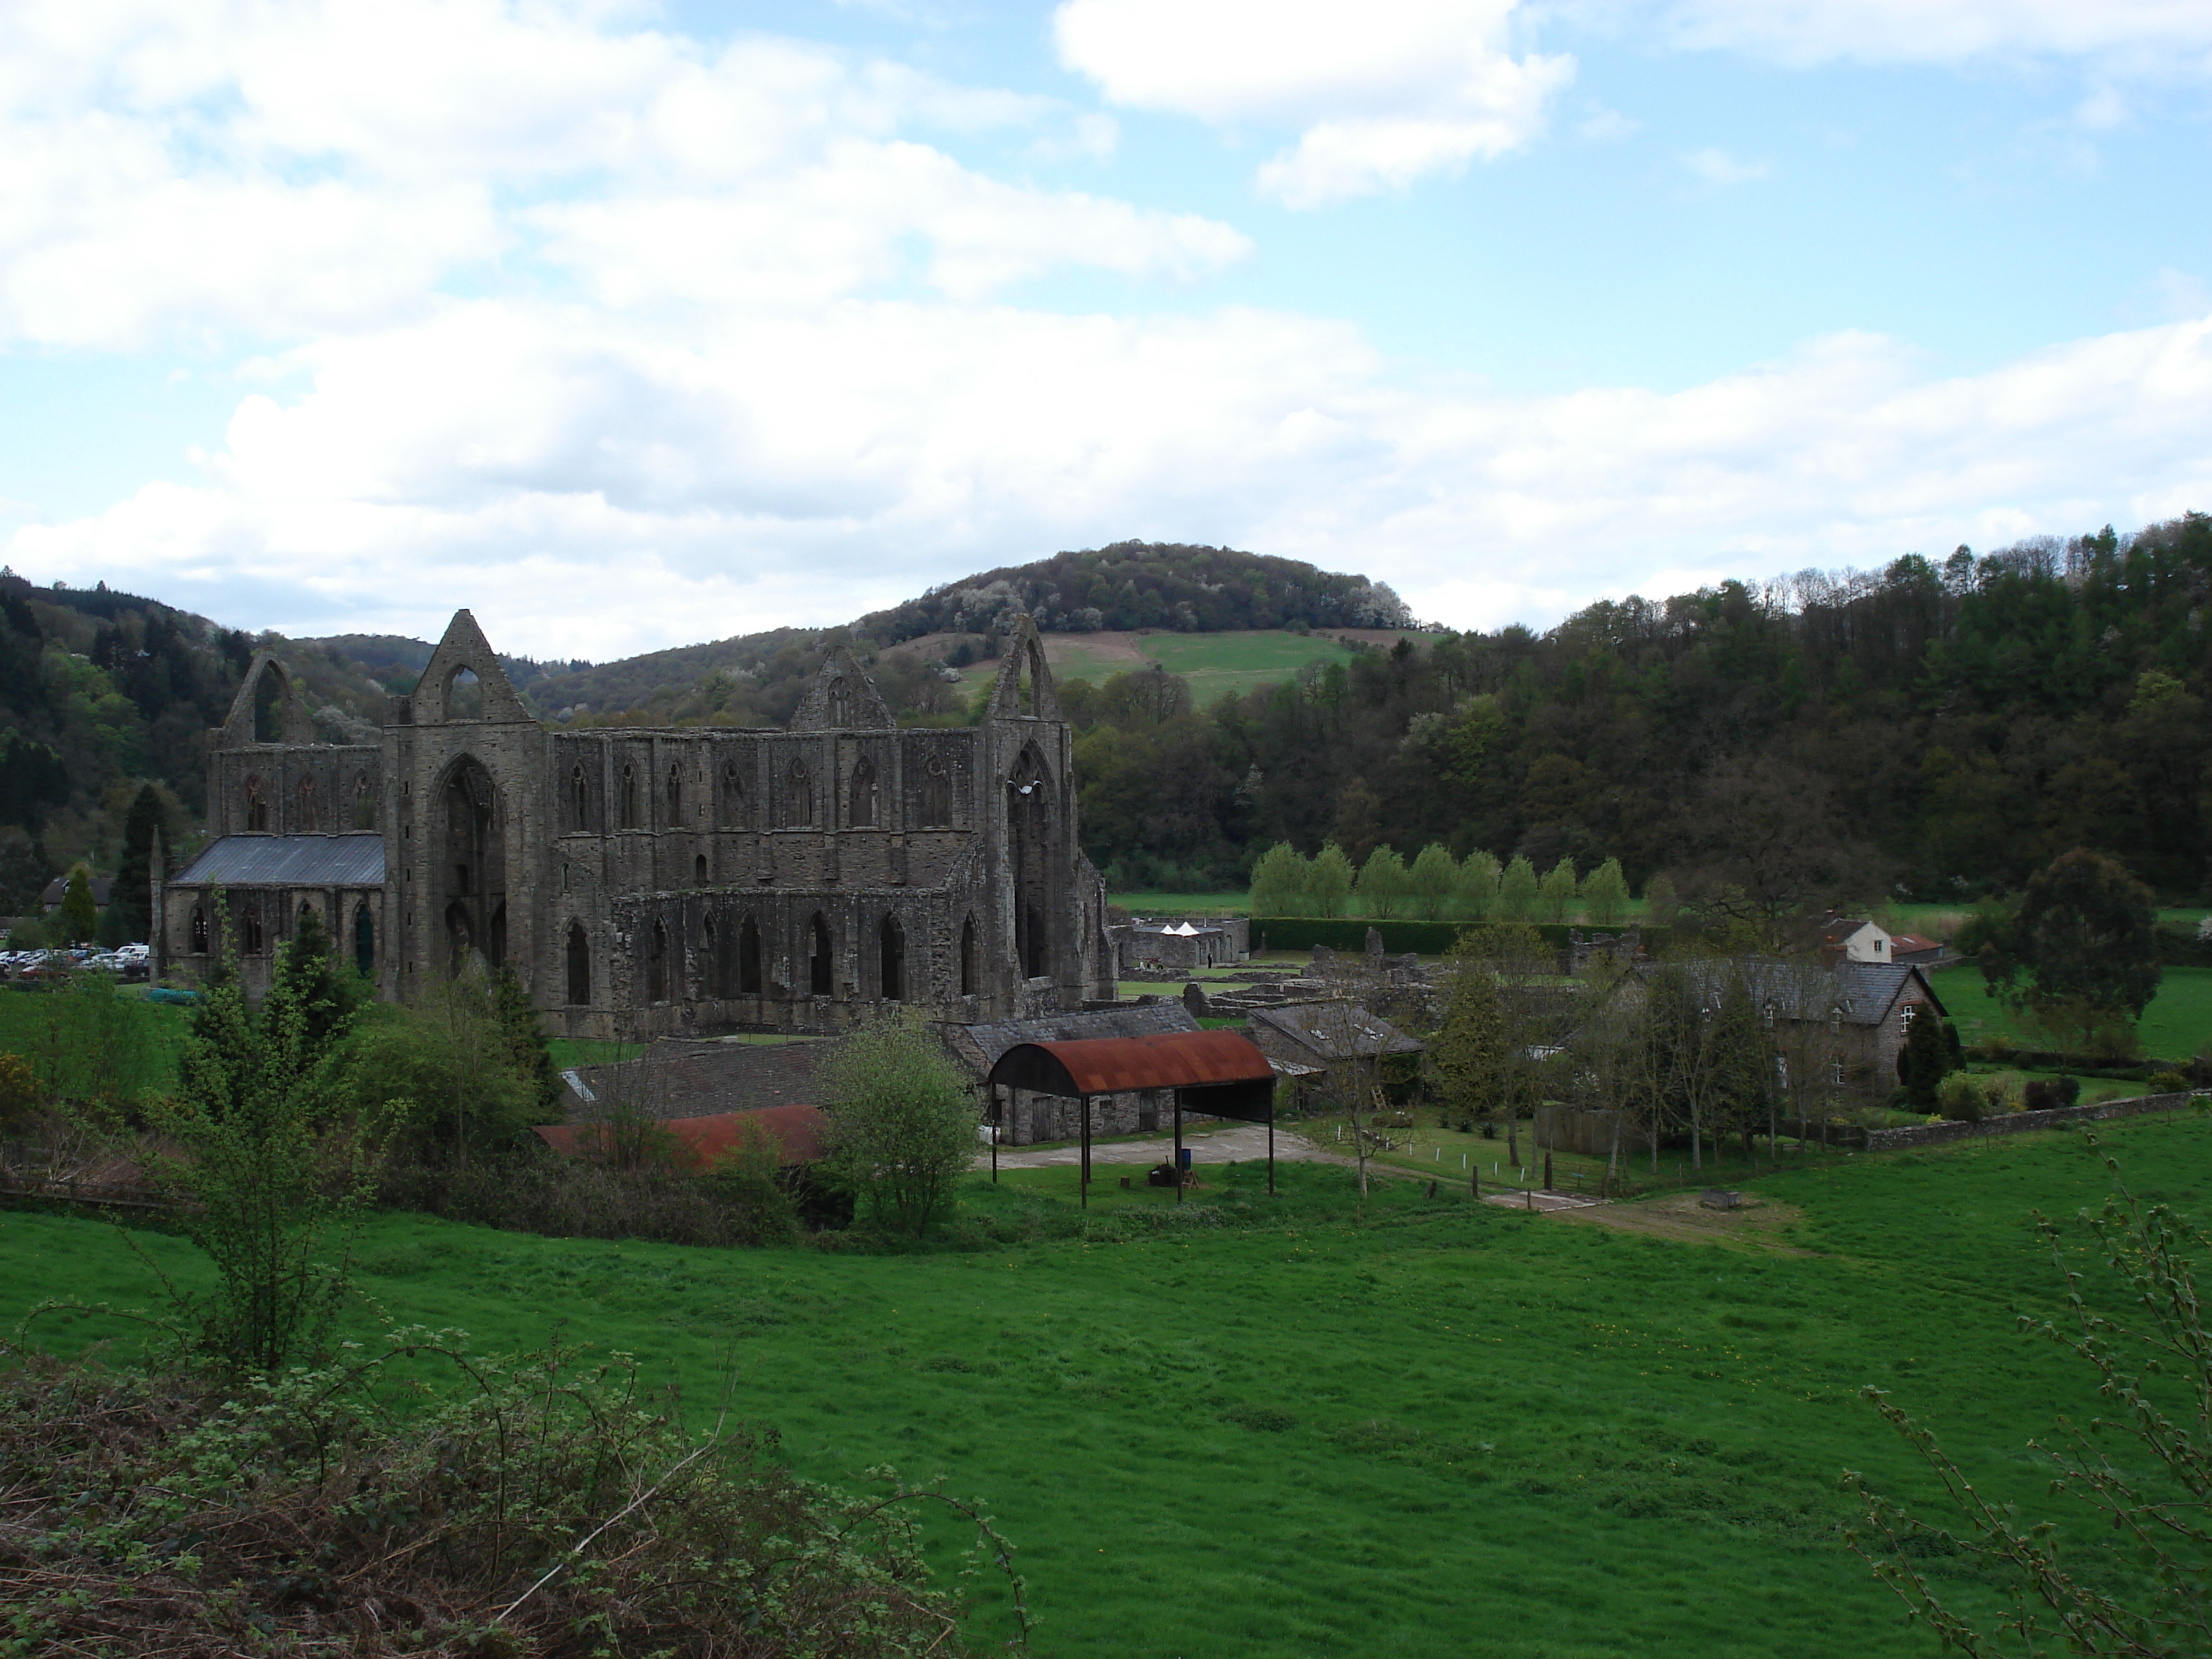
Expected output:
(797, 797)
(656, 965)
(629, 796)
(863, 813)
(580, 800)
(733, 796)
(934, 800)
(306, 820)
(748, 959)
(672, 794)
(890, 943)
(257, 806)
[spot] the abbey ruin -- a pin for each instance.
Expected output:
(646, 883)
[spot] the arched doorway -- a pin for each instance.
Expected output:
(364, 940)
(821, 965)
(748, 959)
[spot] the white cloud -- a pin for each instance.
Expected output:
(1717, 167)
(1383, 93)
(590, 485)
(2144, 32)
(279, 170)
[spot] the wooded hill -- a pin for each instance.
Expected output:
(1935, 730)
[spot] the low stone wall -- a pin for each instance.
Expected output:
(2013, 1123)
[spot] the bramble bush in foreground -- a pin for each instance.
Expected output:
(545, 1506)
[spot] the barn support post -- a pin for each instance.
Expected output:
(995, 1134)
(1178, 1145)
(1271, 1149)
(1085, 1182)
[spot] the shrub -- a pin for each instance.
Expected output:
(902, 1121)
(2167, 1083)
(1960, 1098)
(508, 1514)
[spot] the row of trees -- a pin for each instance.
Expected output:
(1435, 886)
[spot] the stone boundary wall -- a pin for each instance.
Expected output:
(2013, 1123)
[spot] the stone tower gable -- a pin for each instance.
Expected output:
(1024, 660)
(841, 699)
(237, 728)
(465, 646)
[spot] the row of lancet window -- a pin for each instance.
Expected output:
(253, 937)
(734, 810)
(731, 960)
(307, 810)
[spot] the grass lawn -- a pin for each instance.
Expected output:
(2177, 1023)
(1216, 665)
(1454, 1430)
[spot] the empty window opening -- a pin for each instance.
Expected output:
(465, 697)
(674, 794)
(797, 797)
(733, 796)
(968, 958)
(628, 797)
(257, 806)
(461, 879)
(199, 930)
(269, 705)
(841, 703)
(820, 969)
(255, 941)
(699, 869)
(364, 940)
(579, 800)
(305, 819)
(934, 799)
(864, 796)
(579, 965)
(364, 803)
(748, 959)
(893, 965)
(656, 966)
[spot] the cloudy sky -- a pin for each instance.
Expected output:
(633, 325)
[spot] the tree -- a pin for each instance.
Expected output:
(1475, 897)
(1605, 892)
(1517, 890)
(1557, 891)
(1278, 881)
(1358, 823)
(269, 1167)
(901, 1120)
(132, 897)
(78, 918)
(1501, 1008)
(1383, 882)
(528, 1052)
(1661, 906)
(1431, 881)
(444, 1070)
(2140, 1467)
(1922, 1062)
(1328, 881)
(2086, 932)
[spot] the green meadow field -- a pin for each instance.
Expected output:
(1268, 1428)
(2175, 1026)
(1216, 665)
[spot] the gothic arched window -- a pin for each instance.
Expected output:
(675, 794)
(629, 796)
(733, 796)
(364, 803)
(797, 797)
(199, 930)
(748, 959)
(863, 814)
(891, 945)
(257, 806)
(304, 818)
(933, 801)
(579, 800)
(656, 966)
(821, 966)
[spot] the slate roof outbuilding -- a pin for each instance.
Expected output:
(680, 1077)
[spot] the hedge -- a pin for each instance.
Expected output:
(1429, 939)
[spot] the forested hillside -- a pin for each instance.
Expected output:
(1937, 730)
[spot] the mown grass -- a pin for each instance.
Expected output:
(2176, 1025)
(1452, 1430)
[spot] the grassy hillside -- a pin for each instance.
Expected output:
(1217, 665)
(1454, 1430)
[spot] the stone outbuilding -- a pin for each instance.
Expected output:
(1025, 1116)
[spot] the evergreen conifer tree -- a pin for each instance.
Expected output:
(77, 915)
(132, 899)
(526, 1041)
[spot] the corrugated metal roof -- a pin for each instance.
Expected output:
(355, 860)
(979, 1046)
(1112, 1066)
